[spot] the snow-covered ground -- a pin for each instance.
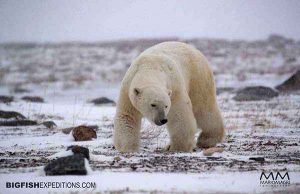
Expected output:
(67, 77)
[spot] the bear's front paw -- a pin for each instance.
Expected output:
(126, 148)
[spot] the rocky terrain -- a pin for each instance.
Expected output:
(52, 88)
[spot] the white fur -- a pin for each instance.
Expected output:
(176, 78)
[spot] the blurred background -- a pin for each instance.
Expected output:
(57, 21)
(82, 45)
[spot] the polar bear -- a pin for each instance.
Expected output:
(170, 83)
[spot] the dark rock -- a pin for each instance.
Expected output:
(33, 99)
(133, 167)
(102, 100)
(6, 99)
(291, 60)
(257, 159)
(225, 89)
(69, 129)
(49, 124)
(80, 150)
(84, 133)
(255, 93)
(18, 123)
(15, 119)
(70, 165)
(291, 84)
(269, 143)
(259, 125)
(279, 41)
(21, 90)
(11, 114)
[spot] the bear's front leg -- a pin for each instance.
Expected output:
(182, 126)
(127, 132)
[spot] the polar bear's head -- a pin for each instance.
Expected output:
(152, 102)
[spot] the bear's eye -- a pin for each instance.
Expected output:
(166, 106)
(153, 105)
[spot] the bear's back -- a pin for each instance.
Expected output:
(189, 62)
(184, 54)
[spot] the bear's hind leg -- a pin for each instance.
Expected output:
(211, 123)
(181, 126)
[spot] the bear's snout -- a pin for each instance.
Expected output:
(164, 121)
(161, 122)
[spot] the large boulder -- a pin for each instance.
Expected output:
(18, 123)
(12, 118)
(84, 133)
(255, 93)
(69, 165)
(291, 84)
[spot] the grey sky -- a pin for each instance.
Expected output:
(76, 20)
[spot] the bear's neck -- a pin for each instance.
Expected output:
(148, 77)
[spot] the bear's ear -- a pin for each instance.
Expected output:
(137, 91)
(169, 92)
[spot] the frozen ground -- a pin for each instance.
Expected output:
(268, 129)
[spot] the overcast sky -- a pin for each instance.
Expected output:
(76, 20)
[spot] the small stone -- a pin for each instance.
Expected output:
(269, 143)
(259, 124)
(49, 124)
(291, 84)
(6, 99)
(69, 129)
(133, 167)
(69, 165)
(84, 133)
(21, 90)
(80, 150)
(102, 100)
(33, 99)
(117, 158)
(257, 159)
(211, 151)
(255, 93)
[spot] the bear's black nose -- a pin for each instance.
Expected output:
(164, 121)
